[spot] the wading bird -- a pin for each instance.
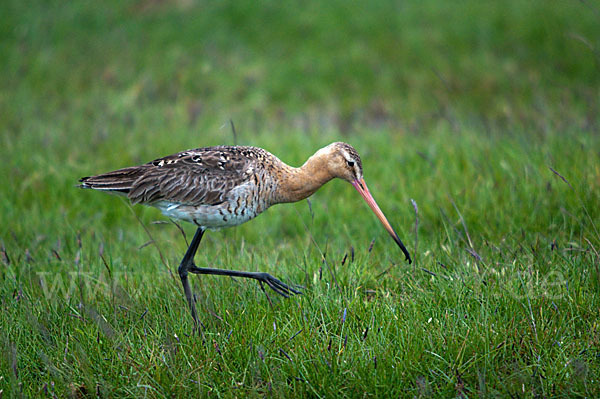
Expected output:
(224, 186)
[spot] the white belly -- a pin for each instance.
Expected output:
(209, 216)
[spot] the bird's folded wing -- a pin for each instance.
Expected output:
(194, 177)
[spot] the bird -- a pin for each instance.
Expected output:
(225, 186)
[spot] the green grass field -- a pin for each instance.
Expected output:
(479, 130)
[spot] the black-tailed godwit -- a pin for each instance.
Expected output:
(224, 186)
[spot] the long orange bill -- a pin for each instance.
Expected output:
(361, 187)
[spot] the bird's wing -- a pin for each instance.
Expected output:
(203, 176)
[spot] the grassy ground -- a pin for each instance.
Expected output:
(484, 114)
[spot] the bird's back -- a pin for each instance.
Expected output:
(210, 186)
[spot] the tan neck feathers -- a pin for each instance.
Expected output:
(299, 183)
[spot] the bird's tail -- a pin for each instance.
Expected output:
(119, 181)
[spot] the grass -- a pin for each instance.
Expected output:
(478, 127)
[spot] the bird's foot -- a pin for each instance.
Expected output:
(277, 285)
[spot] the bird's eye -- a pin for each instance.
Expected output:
(351, 163)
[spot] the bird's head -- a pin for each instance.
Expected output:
(342, 161)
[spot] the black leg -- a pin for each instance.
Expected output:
(184, 267)
(275, 284)
(187, 266)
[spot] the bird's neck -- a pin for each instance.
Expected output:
(296, 184)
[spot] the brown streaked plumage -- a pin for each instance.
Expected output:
(216, 187)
